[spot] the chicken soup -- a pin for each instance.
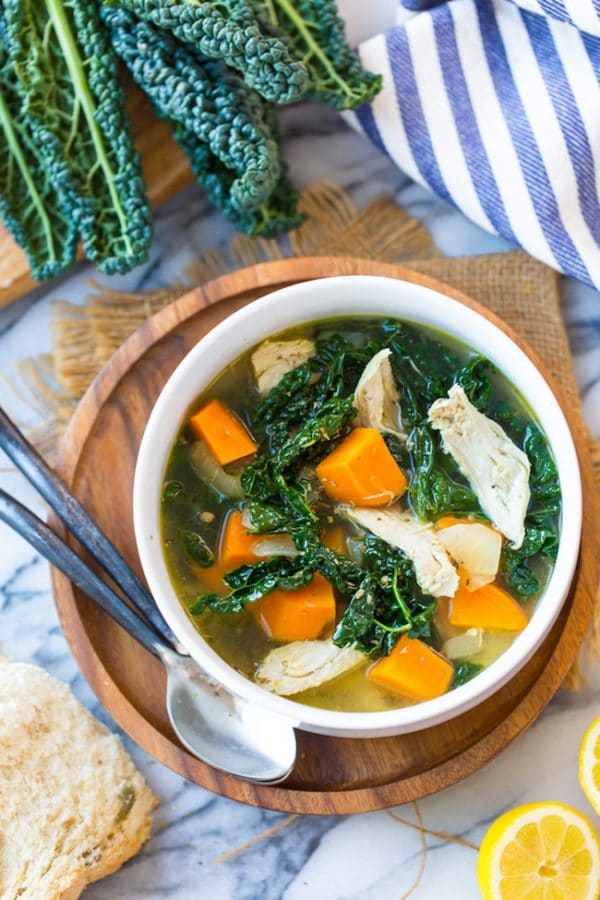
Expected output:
(360, 514)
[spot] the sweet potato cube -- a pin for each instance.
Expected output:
(334, 538)
(361, 470)
(223, 433)
(413, 670)
(487, 607)
(300, 615)
(237, 544)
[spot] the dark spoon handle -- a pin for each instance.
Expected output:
(77, 520)
(45, 541)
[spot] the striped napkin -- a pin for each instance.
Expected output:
(495, 106)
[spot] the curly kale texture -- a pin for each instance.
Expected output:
(32, 208)
(314, 33)
(276, 215)
(207, 100)
(228, 30)
(75, 106)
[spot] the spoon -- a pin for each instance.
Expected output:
(224, 731)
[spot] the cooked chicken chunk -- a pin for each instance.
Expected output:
(376, 397)
(496, 469)
(435, 573)
(274, 359)
(305, 664)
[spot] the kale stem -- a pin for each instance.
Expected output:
(400, 602)
(310, 42)
(64, 34)
(399, 629)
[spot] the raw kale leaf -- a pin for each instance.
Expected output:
(33, 209)
(314, 33)
(228, 30)
(207, 101)
(464, 672)
(250, 583)
(75, 105)
(432, 491)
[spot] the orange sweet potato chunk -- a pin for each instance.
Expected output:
(488, 607)
(300, 615)
(413, 670)
(237, 544)
(334, 538)
(362, 471)
(223, 433)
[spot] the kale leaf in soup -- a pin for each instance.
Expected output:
(327, 513)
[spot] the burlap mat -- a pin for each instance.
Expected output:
(521, 290)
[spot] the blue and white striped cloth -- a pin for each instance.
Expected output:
(495, 106)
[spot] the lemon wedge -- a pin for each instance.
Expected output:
(541, 851)
(589, 764)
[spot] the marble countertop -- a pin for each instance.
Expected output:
(204, 846)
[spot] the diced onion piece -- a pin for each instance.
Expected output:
(464, 645)
(476, 549)
(275, 545)
(212, 474)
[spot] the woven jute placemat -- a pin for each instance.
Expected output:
(519, 289)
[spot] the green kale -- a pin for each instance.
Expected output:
(432, 491)
(540, 524)
(314, 33)
(333, 371)
(228, 30)
(464, 672)
(385, 603)
(423, 368)
(514, 563)
(543, 482)
(474, 378)
(250, 583)
(206, 101)
(71, 95)
(196, 548)
(31, 206)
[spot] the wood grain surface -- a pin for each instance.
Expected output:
(166, 171)
(332, 775)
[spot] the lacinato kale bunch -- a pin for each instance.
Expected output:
(228, 30)
(212, 68)
(33, 208)
(68, 92)
(314, 33)
(227, 130)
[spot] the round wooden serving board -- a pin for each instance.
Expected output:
(332, 775)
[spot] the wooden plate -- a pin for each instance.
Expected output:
(332, 775)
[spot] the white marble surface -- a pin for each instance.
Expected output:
(362, 856)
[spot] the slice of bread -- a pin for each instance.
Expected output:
(73, 807)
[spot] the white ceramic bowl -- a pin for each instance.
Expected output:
(349, 296)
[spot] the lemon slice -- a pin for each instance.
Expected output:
(541, 851)
(589, 764)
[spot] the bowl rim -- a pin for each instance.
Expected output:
(150, 466)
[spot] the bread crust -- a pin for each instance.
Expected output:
(74, 807)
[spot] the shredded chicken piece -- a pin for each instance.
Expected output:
(497, 470)
(376, 397)
(274, 359)
(434, 571)
(302, 665)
